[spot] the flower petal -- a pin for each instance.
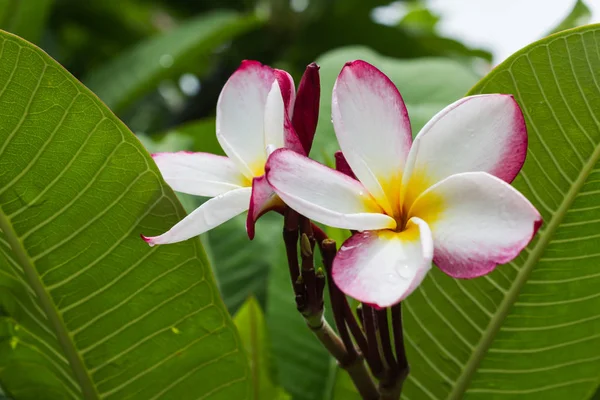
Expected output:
(278, 127)
(323, 194)
(373, 129)
(241, 114)
(306, 108)
(288, 90)
(477, 133)
(209, 215)
(384, 267)
(478, 221)
(263, 199)
(274, 117)
(201, 174)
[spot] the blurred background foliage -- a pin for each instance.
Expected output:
(160, 65)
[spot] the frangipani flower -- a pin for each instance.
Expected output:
(253, 119)
(444, 197)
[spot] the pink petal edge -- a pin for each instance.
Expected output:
(262, 200)
(288, 90)
(516, 150)
(476, 269)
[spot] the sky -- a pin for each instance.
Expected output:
(500, 26)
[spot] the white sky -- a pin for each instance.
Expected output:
(503, 26)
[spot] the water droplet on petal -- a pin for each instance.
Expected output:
(403, 271)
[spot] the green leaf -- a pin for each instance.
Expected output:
(531, 328)
(580, 15)
(25, 18)
(242, 266)
(343, 388)
(200, 135)
(427, 85)
(137, 71)
(251, 325)
(87, 310)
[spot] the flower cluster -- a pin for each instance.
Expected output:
(444, 197)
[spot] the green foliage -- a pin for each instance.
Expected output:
(251, 325)
(579, 15)
(531, 327)
(138, 70)
(86, 308)
(25, 18)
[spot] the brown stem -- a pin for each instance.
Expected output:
(373, 356)
(354, 366)
(391, 366)
(391, 387)
(290, 238)
(329, 249)
(396, 312)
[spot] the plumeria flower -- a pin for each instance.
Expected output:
(254, 114)
(444, 198)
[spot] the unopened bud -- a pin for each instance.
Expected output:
(305, 246)
(306, 107)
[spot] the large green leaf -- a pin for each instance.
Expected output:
(531, 329)
(25, 18)
(88, 310)
(138, 70)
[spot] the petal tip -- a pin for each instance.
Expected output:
(537, 224)
(250, 226)
(148, 240)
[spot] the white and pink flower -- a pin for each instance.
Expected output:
(444, 197)
(254, 114)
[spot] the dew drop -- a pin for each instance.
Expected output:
(403, 271)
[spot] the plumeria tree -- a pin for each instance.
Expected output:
(330, 237)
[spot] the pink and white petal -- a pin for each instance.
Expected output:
(478, 221)
(263, 199)
(240, 116)
(288, 90)
(372, 127)
(342, 165)
(274, 115)
(477, 133)
(323, 194)
(200, 174)
(306, 107)
(209, 215)
(384, 267)
(278, 127)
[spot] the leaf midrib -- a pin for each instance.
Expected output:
(511, 296)
(75, 362)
